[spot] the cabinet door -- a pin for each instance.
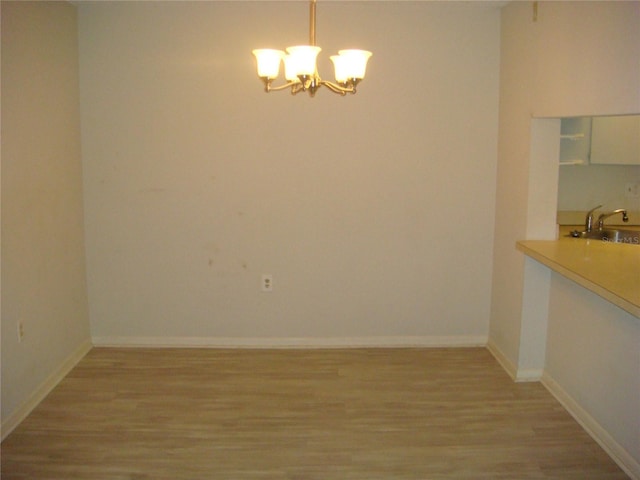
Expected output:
(616, 140)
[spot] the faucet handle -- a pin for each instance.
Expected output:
(588, 223)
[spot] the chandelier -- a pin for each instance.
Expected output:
(300, 70)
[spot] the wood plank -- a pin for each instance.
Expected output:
(299, 414)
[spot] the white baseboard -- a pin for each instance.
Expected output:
(529, 375)
(292, 342)
(622, 457)
(516, 374)
(502, 359)
(10, 423)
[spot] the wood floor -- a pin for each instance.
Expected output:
(299, 414)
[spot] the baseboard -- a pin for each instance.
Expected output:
(293, 342)
(529, 375)
(10, 423)
(516, 374)
(503, 360)
(619, 455)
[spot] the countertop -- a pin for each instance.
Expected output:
(611, 270)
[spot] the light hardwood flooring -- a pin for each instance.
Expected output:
(299, 414)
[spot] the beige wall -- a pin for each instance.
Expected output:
(579, 58)
(43, 269)
(593, 365)
(588, 60)
(517, 71)
(582, 187)
(373, 213)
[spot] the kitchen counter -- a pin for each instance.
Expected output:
(611, 270)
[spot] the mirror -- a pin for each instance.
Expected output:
(599, 164)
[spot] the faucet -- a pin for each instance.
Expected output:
(602, 216)
(588, 223)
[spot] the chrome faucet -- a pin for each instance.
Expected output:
(588, 223)
(602, 216)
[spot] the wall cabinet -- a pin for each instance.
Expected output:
(615, 140)
(602, 140)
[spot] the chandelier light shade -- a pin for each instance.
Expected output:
(301, 71)
(302, 59)
(268, 62)
(350, 64)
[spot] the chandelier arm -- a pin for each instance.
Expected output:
(296, 88)
(337, 88)
(281, 87)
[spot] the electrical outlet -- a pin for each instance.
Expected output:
(267, 282)
(20, 331)
(632, 190)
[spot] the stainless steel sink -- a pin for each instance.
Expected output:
(611, 235)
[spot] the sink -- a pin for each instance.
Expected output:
(610, 235)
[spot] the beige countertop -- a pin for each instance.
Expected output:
(611, 270)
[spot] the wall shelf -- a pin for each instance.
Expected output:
(574, 136)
